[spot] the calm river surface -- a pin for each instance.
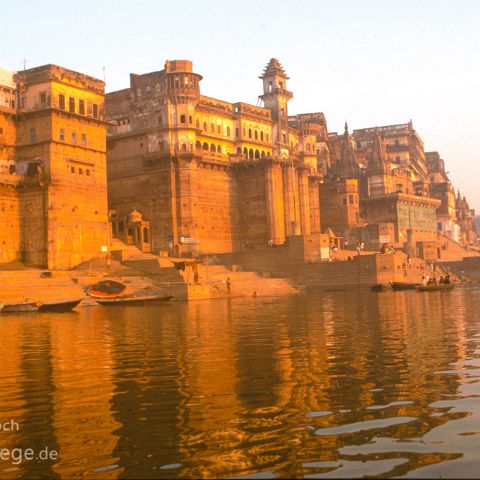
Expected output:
(324, 385)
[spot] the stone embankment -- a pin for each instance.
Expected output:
(141, 272)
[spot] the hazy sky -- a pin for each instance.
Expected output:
(367, 62)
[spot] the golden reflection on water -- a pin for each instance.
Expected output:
(331, 384)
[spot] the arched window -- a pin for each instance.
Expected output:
(263, 154)
(256, 135)
(190, 119)
(219, 129)
(212, 128)
(197, 123)
(250, 153)
(205, 145)
(257, 154)
(145, 235)
(184, 147)
(205, 126)
(198, 145)
(228, 131)
(183, 119)
(239, 150)
(219, 148)
(245, 151)
(249, 133)
(261, 136)
(266, 135)
(212, 147)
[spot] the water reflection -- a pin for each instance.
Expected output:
(331, 384)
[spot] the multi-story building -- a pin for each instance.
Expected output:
(209, 175)
(441, 188)
(466, 220)
(57, 164)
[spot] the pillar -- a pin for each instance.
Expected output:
(274, 202)
(304, 202)
(290, 195)
(314, 198)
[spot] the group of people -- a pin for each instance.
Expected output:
(427, 280)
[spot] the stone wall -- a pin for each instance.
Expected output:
(33, 227)
(9, 223)
(299, 259)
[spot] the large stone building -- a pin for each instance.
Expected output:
(193, 174)
(53, 172)
(211, 176)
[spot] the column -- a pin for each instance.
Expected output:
(304, 201)
(314, 194)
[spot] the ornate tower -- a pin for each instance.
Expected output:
(348, 167)
(275, 97)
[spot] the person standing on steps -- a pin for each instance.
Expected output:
(229, 286)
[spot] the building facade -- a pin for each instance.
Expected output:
(54, 150)
(210, 176)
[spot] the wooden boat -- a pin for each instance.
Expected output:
(62, 306)
(404, 285)
(106, 289)
(431, 288)
(380, 287)
(1, 306)
(21, 307)
(133, 299)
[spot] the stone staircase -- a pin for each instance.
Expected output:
(212, 279)
(454, 251)
(166, 277)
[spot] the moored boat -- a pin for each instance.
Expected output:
(440, 286)
(106, 289)
(1, 306)
(60, 306)
(133, 299)
(21, 307)
(380, 287)
(404, 285)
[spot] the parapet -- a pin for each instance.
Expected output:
(178, 66)
(54, 73)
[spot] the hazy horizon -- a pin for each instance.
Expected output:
(370, 63)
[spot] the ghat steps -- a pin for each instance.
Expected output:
(212, 278)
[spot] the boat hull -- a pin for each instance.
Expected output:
(20, 307)
(133, 300)
(434, 288)
(66, 306)
(404, 286)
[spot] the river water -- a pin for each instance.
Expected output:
(323, 385)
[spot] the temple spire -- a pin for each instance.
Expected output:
(348, 162)
(378, 162)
